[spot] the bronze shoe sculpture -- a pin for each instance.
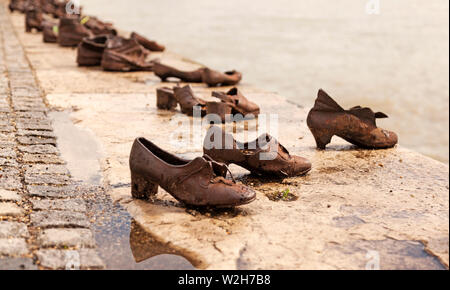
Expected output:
(263, 156)
(233, 102)
(165, 99)
(50, 31)
(71, 32)
(48, 6)
(99, 27)
(187, 100)
(147, 43)
(33, 19)
(164, 72)
(125, 55)
(90, 50)
(17, 5)
(357, 125)
(200, 182)
(214, 78)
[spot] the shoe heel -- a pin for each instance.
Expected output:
(165, 99)
(27, 28)
(322, 136)
(142, 188)
(218, 108)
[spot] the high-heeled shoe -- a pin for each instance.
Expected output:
(71, 32)
(147, 43)
(49, 31)
(165, 99)
(187, 100)
(164, 72)
(124, 55)
(200, 182)
(357, 125)
(99, 27)
(17, 5)
(238, 103)
(90, 50)
(33, 19)
(263, 156)
(214, 78)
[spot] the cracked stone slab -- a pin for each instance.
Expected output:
(8, 195)
(17, 264)
(79, 238)
(33, 140)
(39, 149)
(42, 158)
(7, 153)
(36, 133)
(8, 162)
(10, 182)
(51, 191)
(13, 230)
(13, 247)
(46, 169)
(30, 108)
(62, 259)
(75, 205)
(54, 219)
(7, 128)
(46, 179)
(45, 126)
(10, 209)
(34, 116)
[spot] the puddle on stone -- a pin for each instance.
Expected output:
(121, 242)
(78, 148)
(124, 245)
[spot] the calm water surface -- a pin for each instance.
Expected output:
(396, 62)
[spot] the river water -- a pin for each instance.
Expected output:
(396, 61)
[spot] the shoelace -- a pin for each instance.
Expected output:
(211, 161)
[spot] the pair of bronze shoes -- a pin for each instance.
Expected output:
(202, 181)
(17, 5)
(73, 29)
(356, 125)
(203, 75)
(232, 103)
(116, 53)
(33, 18)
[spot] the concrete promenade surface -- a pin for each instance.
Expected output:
(66, 133)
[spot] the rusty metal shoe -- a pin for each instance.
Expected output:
(164, 72)
(188, 101)
(48, 6)
(50, 31)
(238, 103)
(99, 27)
(71, 31)
(17, 5)
(263, 156)
(165, 99)
(214, 78)
(33, 18)
(200, 182)
(90, 50)
(357, 125)
(147, 43)
(125, 55)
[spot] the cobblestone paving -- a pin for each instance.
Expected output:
(43, 221)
